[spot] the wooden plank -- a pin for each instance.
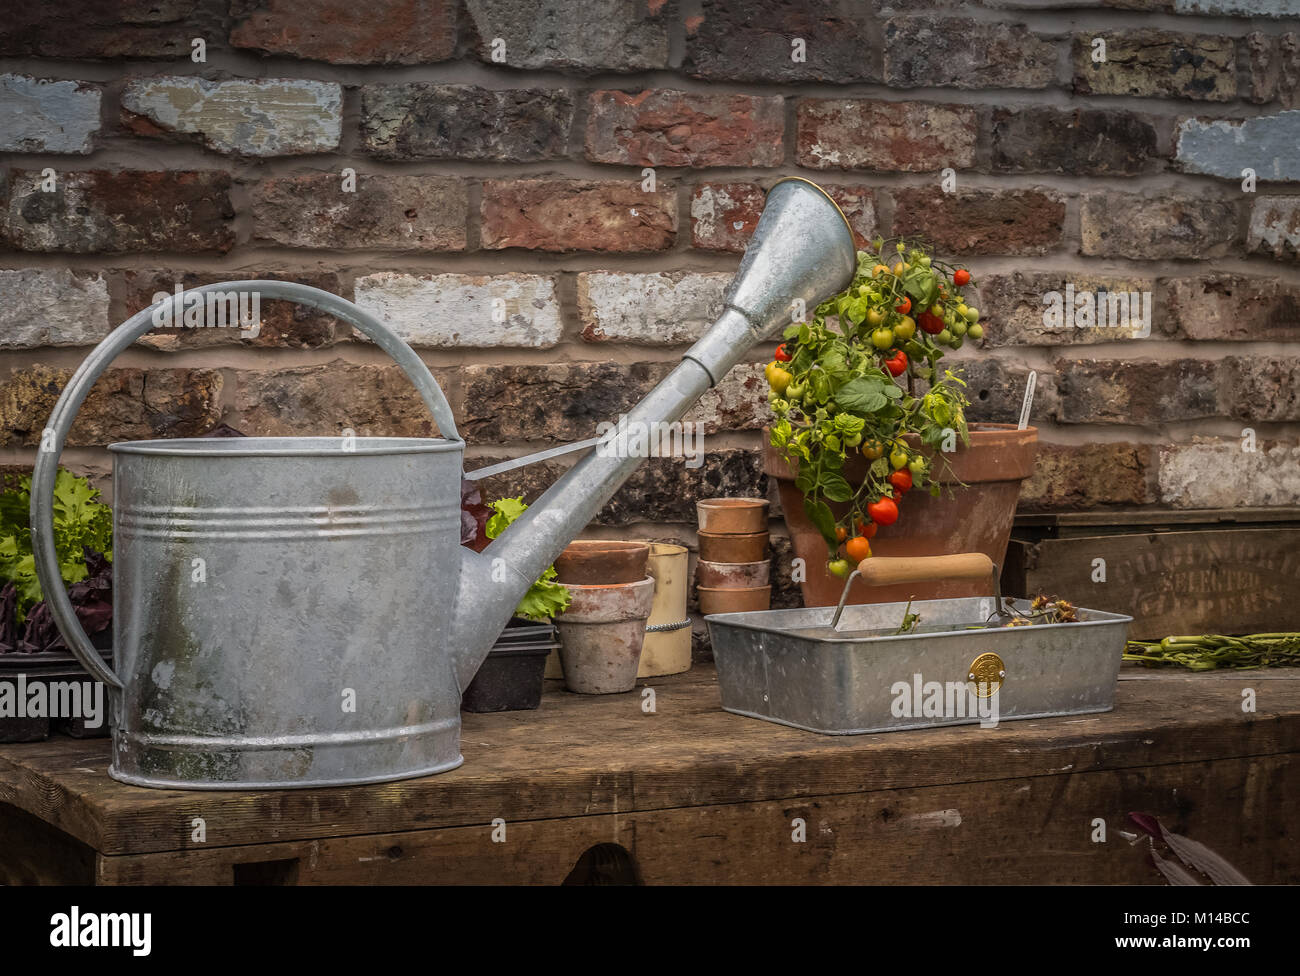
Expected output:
(1033, 830)
(584, 756)
(32, 852)
(1156, 516)
(1230, 581)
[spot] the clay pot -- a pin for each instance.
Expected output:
(732, 574)
(974, 518)
(601, 635)
(748, 548)
(596, 562)
(735, 516)
(734, 599)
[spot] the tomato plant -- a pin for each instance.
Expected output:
(865, 376)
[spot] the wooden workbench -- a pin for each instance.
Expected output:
(699, 795)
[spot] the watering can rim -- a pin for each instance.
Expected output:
(287, 446)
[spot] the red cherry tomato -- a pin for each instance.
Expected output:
(901, 480)
(867, 529)
(883, 512)
(897, 363)
(930, 323)
(961, 277)
(781, 355)
(905, 306)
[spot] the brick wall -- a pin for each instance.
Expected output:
(500, 149)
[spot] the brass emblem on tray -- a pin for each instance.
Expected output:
(987, 672)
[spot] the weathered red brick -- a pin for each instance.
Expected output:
(724, 215)
(410, 121)
(1156, 64)
(1274, 68)
(283, 324)
(659, 127)
(418, 213)
(1079, 142)
(372, 401)
(981, 221)
(337, 31)
(1127, 225)
(110, 28)
(559, 401)
(752, 40)
(843, 133)
(124, 404)
(1232, 307)
(130, 210)
(578, 215)
(1083, 476)
(956, 52)
(1137, 391)
(587, 37)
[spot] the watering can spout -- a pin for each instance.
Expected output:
(801, 253)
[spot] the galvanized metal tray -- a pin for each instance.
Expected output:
(958, 667)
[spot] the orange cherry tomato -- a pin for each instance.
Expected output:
(857, 549)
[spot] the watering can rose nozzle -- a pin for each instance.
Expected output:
(802, 253)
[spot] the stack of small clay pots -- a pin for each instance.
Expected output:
(732, 574)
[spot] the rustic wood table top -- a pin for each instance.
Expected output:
(581, 756)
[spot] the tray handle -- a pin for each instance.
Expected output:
(884, 570)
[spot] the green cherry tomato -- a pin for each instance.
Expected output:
(795, 390)
(838, 567)
(958, 329)
(972, 315)
(882, 338)
(976, 332)
(853, 440)
(897, 459)
(943, 338)
(917, 467)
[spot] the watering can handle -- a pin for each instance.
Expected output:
(65, 411)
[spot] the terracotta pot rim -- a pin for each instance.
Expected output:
(734, 589)
(716, 562)
(733, 501)
(1015, 447)
(592, 587)
(733, 535)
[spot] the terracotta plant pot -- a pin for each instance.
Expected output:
(734, 599)
(974, 518)
(596, 562)
(732, 574)
(732, 516)
(601, 635)
(749, 548)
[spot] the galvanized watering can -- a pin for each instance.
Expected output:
(298, 611)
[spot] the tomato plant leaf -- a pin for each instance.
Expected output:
(862, 396)
(819, 513)
(836, 489)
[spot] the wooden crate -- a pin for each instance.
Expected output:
(1219, 571)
